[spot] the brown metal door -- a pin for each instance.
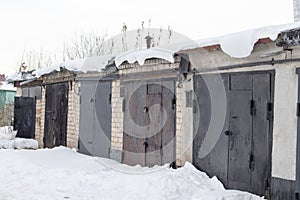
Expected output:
(134, 120)
(149, 123)
(154, 123)
(169, 128)
(55, 133)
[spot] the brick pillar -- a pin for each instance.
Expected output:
(117, 122)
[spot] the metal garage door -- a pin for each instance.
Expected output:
(149, 123)
(56, 112)
(241, 157)
(95, 118)
(24, 117)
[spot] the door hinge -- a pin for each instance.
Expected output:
(228, 133)
(298, 109)
(267, 188)
(123, 105)
(195, 104)
(109, 99)
(269, 111)
(252, 107)
(297, 196)
(173, 104)
(251, 162)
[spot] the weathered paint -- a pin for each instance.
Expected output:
(285, 99)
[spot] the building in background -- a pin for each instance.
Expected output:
(7, 95)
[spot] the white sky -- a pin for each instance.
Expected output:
(36, 24)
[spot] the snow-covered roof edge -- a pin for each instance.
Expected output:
(97, 63)
(241, 44)
(236, 45)
(141, 55)
(7, 87)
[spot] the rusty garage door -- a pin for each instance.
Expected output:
(149, 123)
(95, 118)
(241, 154)
(56, 111)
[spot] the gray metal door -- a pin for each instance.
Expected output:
(149, 123)
(240, 127)
(297, 187)
(242, 156)
(262, 134)
(95, 118)
(55, 133)
(216, 162)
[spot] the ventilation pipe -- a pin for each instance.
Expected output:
(149, 41)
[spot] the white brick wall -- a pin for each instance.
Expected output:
(72, 121)
(73, 115)
(117, 117)
(40, 111)
(184, 124)
(183, 115)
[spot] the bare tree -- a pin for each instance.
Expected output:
(84, 45)
(35, 60)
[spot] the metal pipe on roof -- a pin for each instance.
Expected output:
(252, 64)
(28, 81)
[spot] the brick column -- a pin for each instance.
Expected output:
(117, 122)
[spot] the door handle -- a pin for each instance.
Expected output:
(145, 144)
(228, 133)
(251, 162)
(146, 109)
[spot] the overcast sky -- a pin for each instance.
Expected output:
(36, 24)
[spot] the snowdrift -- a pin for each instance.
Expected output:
(8, 140)
(62, 173)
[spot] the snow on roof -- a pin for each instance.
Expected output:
(141, 55)
(236, 45)
(21, 76)
(81, 65)
(240, 44)
(7, 86)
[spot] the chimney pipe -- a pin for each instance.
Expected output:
(296, 10)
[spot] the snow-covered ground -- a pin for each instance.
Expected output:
(62, 173)
(8, 140)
